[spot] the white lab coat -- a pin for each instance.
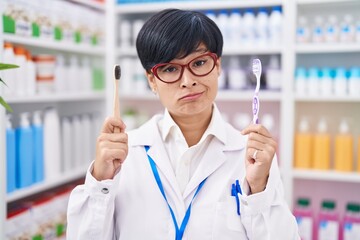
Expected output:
(131, 207)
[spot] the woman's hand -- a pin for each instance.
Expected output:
(111, 149)
(260, 151)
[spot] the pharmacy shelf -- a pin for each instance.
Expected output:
(91, 3)
(311, 2)
(251, 50)
(327, 48)
(40, 187)
(334, 99)
(199, 5)
(352, 177)
(55, 45)
(58, 97)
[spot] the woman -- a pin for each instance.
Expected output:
(186, 174)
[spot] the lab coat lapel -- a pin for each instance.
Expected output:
(213, 158)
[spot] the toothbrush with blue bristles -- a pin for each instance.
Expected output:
(256, 69)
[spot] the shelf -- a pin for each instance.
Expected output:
(352, 99)
(327, 48)
(55, 45)
(327, 175)
(251, 50)
(91, 3)
(39, 187)
(198, 5)
(311, 2)
(58, 97)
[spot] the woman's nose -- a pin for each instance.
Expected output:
(187, 79)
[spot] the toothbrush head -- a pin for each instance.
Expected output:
(256, 68)
(117, 72)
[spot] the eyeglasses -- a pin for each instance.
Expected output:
(172, 72)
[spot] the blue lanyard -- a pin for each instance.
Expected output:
(179, 232)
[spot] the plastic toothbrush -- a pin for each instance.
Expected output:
(116, 110)
(256, 68)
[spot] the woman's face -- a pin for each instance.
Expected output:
(191, 95)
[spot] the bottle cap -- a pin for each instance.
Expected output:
(19, 50)
(305, 202)
(344, 126)
(24, 119)
(322, 126)
(37, 118)
(328, 205)
(304, 125)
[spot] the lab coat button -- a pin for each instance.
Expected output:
(105, 191)
(244, 202)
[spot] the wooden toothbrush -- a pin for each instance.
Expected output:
(116, 110)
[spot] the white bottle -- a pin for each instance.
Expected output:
(60, 75)
(341, 83)
(9, 76)
(273, 74)
(125, 34)
(354, 81)
(52, 144)
(223, 23)
(275, 26)
(86, 140)
(140, 81)
(326, 82)
(313, 82)
(248, 27)
(357, 31)
(77, 156)
(85, 76)
(30, 76)
(262, 27)
(236, 74)
(21, 75)
(318, 30)
(222, 79)
(301, 81)
(303, 30)
(67, 145)
(136, 26)
(347, 29)
(235, 29)
(332, 29)
(127, 83)
(73, 74)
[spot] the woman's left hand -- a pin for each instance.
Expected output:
(260, 151)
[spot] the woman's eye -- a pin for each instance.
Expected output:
(169, 69)
(199, 63)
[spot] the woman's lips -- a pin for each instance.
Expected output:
(191, 96)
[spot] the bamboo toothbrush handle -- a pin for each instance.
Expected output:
(116, 105)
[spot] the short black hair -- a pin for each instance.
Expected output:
(175, 33)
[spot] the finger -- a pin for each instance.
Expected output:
(111, 123)
(257, 128)
(110, 155)
(252, 136)
(119, 137)
(256, 145)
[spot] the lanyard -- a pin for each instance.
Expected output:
(179, 231)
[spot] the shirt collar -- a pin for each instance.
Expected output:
(217, 126)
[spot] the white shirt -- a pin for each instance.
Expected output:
(130, 206)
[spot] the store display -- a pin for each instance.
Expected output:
(350, 228)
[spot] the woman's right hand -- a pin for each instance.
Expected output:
(111, 149)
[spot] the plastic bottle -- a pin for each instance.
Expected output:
(77, 155)
(86, 139)
(328, 225)
(354, 81)
(136, 26)
(275, 26)
(223, 23)
(61, 81)
(321, 147)
(236, 74)
(8, 56)
(343, 149)
(303, 30)
(317, 35)
(326, 82)
(357, 31)
(30, 75)
(303, 145)
(235, 29)
(301, 81)
(24, 152)
(21, 74)
(85, 75)
(38, 138)
(73, 74)
(351, 222)
(262, 27)
(10, 156)
(340, 82)
(125, 34)
(248, 27)
(273, 74)
(67, 144)
(332, 29)
(347, 29)
(304, 219)
(313, 82)
(52, 164)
